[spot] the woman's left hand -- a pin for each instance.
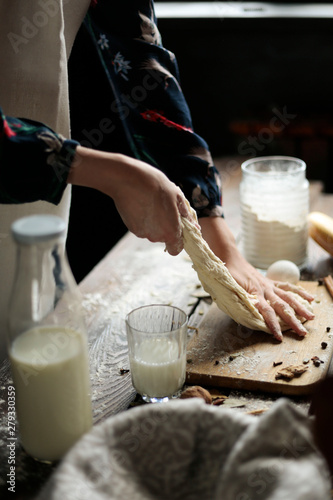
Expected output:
(274, 299)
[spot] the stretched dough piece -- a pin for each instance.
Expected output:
(215, 278)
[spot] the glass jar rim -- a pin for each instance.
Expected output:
(151, 306)
(300, 165)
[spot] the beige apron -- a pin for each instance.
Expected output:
(36, 37)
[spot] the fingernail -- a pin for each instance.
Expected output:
(303, 331)
(278, 335)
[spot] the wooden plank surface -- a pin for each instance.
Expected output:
(226, 354)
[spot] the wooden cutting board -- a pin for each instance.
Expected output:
(224, 354)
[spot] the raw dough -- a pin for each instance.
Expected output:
(290, 372)
(215, 278)
(283, 270)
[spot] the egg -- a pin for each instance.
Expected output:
(283, 270)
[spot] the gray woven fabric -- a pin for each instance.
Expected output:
(188, 450)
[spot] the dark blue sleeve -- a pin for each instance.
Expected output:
(34, 161)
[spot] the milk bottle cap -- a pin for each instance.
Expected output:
(37, 228)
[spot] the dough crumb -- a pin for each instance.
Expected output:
(290, 372)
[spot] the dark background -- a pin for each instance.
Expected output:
(236, 72)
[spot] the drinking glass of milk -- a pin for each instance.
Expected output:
(157, 337)
(47, 342)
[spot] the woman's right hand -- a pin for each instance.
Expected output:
(147, 201)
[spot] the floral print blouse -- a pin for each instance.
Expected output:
(147, 103)
(34, 161)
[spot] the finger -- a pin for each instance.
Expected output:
(287, 314)
(174, 248)
(182, 206)
(270, 318)
(299, 308)
(174, 245)
(294, 288)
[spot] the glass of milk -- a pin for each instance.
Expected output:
(157, 337)
(274, 194)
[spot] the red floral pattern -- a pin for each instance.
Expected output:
(156, 116)
(7, 130)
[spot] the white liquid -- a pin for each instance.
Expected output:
(158, 370)
(51, 377)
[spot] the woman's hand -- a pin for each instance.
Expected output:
(149, 204)
(274, 299)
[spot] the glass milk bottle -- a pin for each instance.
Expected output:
(47, 342)
(274, 195)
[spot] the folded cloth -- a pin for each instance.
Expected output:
(188, 450)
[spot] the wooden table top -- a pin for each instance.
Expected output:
(134, 273)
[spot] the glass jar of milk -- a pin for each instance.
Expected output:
(274, 195)
(47, 342)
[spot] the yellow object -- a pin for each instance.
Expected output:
(321, 230)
